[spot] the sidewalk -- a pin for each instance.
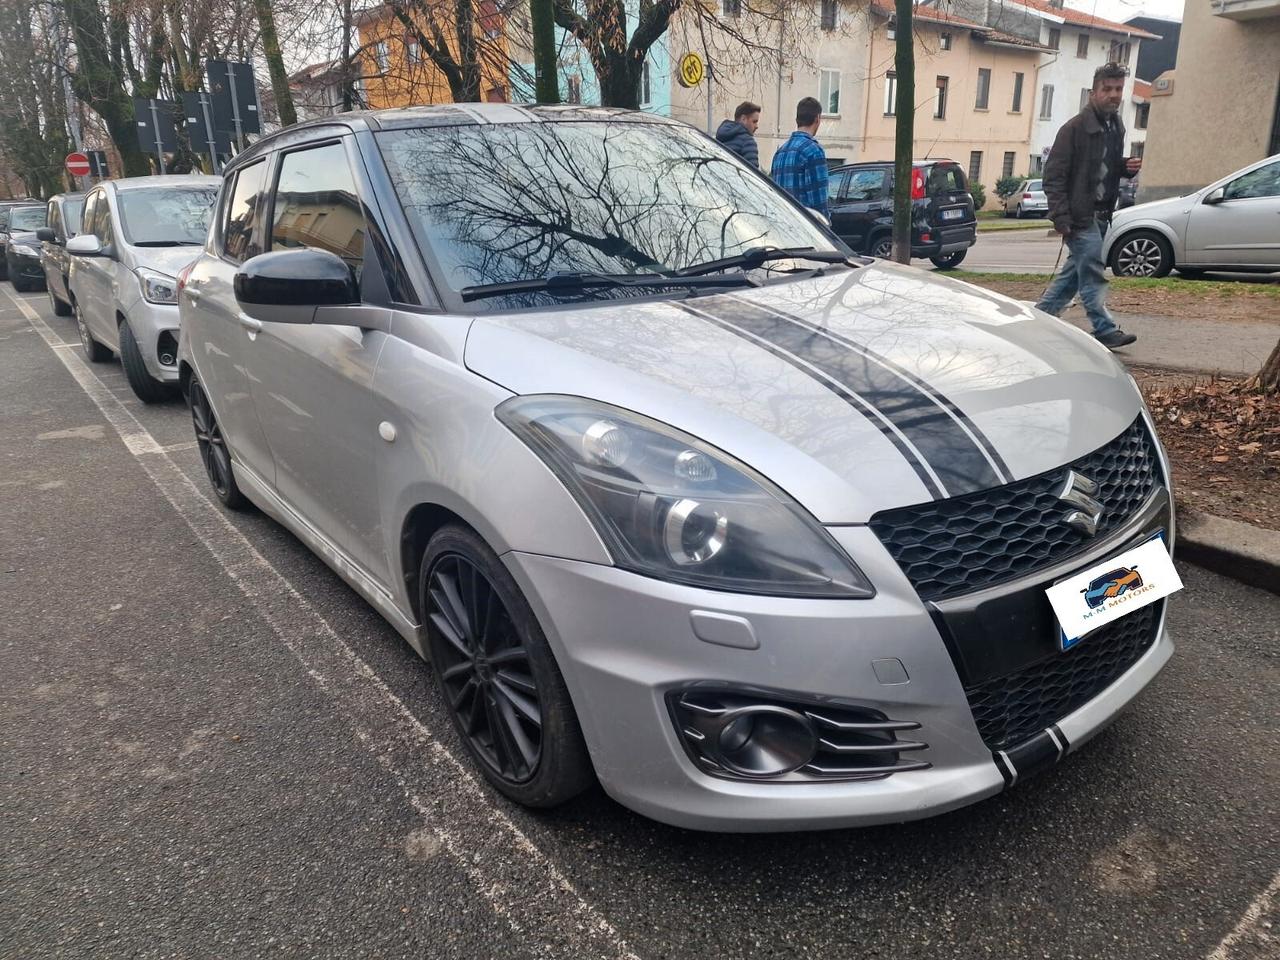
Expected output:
(1198, 346)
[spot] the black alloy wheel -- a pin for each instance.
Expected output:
(213, 448)
(497, 674)
(950, 261)
(882, 247)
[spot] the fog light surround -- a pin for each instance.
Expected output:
(765, 741)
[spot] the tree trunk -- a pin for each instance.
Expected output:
(275, 64)
(468, 53)
(904, 141)
(545, 68)
(1268, 378)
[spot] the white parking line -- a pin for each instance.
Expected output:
(520, 882)
(1254, 929)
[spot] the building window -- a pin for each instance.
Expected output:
(975, 166)
(646, 92)
(731, 8)
(891, 31)
(412, 52)
(1017, 93)
(383, 55)
(828, 14)
(984, 89)
(890, 94)
(940, 107)
(1084, 97)
(1007, 169)
(1141, 116)
(1136, 148)
(944, 41)
(574, 92)
(1055, 38)
(1119, 52)
(829, 91)
(1082, 46)
(1046, 102)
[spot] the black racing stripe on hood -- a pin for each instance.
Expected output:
(951, 452)
(858, 403)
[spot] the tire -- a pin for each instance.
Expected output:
(499, 681)
(145, 387)
(59, 307)
(1007, 214)
(213, 449)
(950, 261)
(1017, 212)
(1143, 253)
(881, 246)
(95, 351)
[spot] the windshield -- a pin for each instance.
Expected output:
(508, 202)
(26, 218)
(166, 215)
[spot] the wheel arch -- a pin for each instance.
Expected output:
(420, 524)
(1115, 235)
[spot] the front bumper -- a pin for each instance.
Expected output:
(155, 328)
(22, 267)
(946, 240)
(624, 642)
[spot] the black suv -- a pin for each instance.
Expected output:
(943, 225)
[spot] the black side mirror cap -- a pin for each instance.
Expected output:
(286, 286)
(46, 234)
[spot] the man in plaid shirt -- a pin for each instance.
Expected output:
(800, 165)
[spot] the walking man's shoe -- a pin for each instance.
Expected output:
(1116, 338)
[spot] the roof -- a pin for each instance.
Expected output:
(932, 15)
(1081, 19)
(1141, 89)
(315, 71)
(169, 180)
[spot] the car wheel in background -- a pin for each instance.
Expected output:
(1143, 253)
(1017, 212)
(59, 308)
(95, 351)
(882, 247)
(213, 449)
(950, 261)
(145, 387)
(497, 675)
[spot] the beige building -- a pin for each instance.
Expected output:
(1219, 109)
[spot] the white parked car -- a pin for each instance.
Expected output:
(1232, 224)
(1028, 200)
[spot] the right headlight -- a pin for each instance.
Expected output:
(672, 507)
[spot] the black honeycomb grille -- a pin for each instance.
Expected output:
(1012, 708)
(948, 548)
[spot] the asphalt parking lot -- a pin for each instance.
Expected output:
(211, 747)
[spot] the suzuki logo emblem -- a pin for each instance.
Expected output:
(1078, 491)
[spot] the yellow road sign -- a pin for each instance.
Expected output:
(692, 70)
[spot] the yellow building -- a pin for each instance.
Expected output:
(396, 72)
(975, 93)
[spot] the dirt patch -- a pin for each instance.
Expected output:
(1175, 299)
(1223, 442)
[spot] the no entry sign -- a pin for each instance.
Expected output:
(77, 165)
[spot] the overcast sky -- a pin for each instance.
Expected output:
(1124, 9)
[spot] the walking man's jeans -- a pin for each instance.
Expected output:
(1084, 272)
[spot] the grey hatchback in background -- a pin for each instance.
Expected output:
(61, 224)
(1029, 200)
(672, 491)
(137, 234)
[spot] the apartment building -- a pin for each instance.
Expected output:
(1219, 109)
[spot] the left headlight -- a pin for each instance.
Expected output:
(672, 507)
(157, 287)
(25, 250)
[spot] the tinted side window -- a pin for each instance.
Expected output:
(866, 185)
(838, 182)
(54, 219)
(243, 213)
(316, 204)
(1263, 182)
(944, 178)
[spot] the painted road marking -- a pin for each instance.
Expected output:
(1256, 928)
(520, 882)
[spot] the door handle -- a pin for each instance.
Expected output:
(193, 294)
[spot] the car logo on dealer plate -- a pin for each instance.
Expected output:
(1078, 491)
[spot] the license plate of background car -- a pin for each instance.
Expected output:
(1113, 588)
(952, 214)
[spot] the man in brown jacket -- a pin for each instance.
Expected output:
(1082, 180)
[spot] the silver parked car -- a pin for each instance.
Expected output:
(137, 234)
(1028, 201)
(671, 489)
(1232, 224)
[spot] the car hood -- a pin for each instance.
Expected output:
(855, 392)
(168, 260)
(1154, 210)
(25, 236)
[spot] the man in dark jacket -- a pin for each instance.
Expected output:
(739, 134)
(1082, 180)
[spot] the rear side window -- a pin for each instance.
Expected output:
(316, 205)
(1035, 186)
(944, 178)
(71, 213)
(54, 220)
(866, 185)
(243, 211)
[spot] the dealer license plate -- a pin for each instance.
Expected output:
(1108, 590)
(952, 214)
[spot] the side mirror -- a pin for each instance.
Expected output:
(286, 286)
(85, 245)
(46, 234)
(1216, 196)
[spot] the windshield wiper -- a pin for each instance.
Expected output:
(754, 257)
(573, 282)
(167, 243)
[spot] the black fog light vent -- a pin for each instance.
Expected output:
(167, 348)
(745, 735)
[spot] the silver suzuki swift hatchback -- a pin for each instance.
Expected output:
(670, 489)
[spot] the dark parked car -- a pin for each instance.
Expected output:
(5, 207)
(22, 249)
(943, 224)
(63, 224)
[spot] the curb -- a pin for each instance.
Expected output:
(1238, 550)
